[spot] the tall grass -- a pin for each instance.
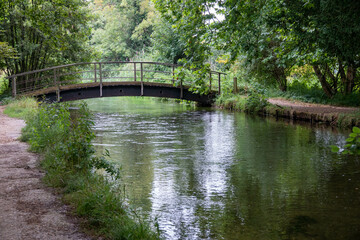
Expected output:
(65, 141)
(22, 108)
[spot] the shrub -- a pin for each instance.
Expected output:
(353, 143)
(255, 102)
(69, 160)
(20, 108)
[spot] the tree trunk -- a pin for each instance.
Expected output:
(324, 84)
(281, 78)
(350, 77)
(333, 78)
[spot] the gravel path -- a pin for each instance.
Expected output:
(311, 107)
(28, 209)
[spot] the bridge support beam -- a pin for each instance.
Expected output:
(127, 89)
(101, 83)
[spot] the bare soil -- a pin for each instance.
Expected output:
(28, 209)
(311, 107)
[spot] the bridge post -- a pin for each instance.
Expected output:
(235, 85)
(210, 81)
(57, 87)
(219, 83)
(26, 81)
(181, 89)
(55, 77)
(100, 73)
(134, 72)
(95, 72)
(13, 83)
(173, 74)
(142, 80)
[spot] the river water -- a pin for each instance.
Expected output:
(212, 174)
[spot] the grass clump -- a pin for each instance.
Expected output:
(253, 101)
(70, 163)
(21, 108)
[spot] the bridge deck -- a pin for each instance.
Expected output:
(113, 89)
(97, 84)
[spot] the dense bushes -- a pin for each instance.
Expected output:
(65, 140)
(253, 102)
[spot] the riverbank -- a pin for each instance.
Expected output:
(345, 117)
(28, 209)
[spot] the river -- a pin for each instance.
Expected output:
(213, 174)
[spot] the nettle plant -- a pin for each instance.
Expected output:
(352, 145)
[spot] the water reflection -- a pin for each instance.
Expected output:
(219, 175)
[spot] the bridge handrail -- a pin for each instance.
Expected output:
(90, 63)
(100, 64)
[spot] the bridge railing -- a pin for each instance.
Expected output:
(100, 72)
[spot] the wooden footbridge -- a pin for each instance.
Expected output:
(109, 79)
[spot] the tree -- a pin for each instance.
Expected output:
(123, 28)
(237, 27)
(326, 34)
(274, 35)
(44, 33)
(6, 52)
(166, 43)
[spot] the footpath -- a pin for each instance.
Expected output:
(333, 115)
(28, 209)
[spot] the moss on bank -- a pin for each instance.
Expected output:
(255, 104)
(65, 141)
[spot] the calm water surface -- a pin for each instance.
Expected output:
(207, 174)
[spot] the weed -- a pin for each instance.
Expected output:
(70, 164)
(352, 145)
(21, 108)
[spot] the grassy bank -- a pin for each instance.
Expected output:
(88, 183)
(256, 103)
(21, 108)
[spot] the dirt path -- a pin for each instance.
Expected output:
(28, 209)
(311, 107)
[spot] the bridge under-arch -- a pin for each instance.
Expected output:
(110, 79)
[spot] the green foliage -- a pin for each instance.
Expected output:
(122, 29)
(6, 52)
(255, 102)
(166, 43)
(269, 37)
(44, 33)
(324, 34)
(312, 93)
(106, 211)
(352, 145)
(4, 88)
(23, 108)
(65, 140)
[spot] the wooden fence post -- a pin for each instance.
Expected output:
(95, 72)
(235, 85)
(134, 72)
(181, 89)
(13, 83)
(219, 83)
(210, 80)
(142, 79)
(101, 84)
(57, 87)
(173, 74)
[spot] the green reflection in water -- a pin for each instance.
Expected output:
(219, 175)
